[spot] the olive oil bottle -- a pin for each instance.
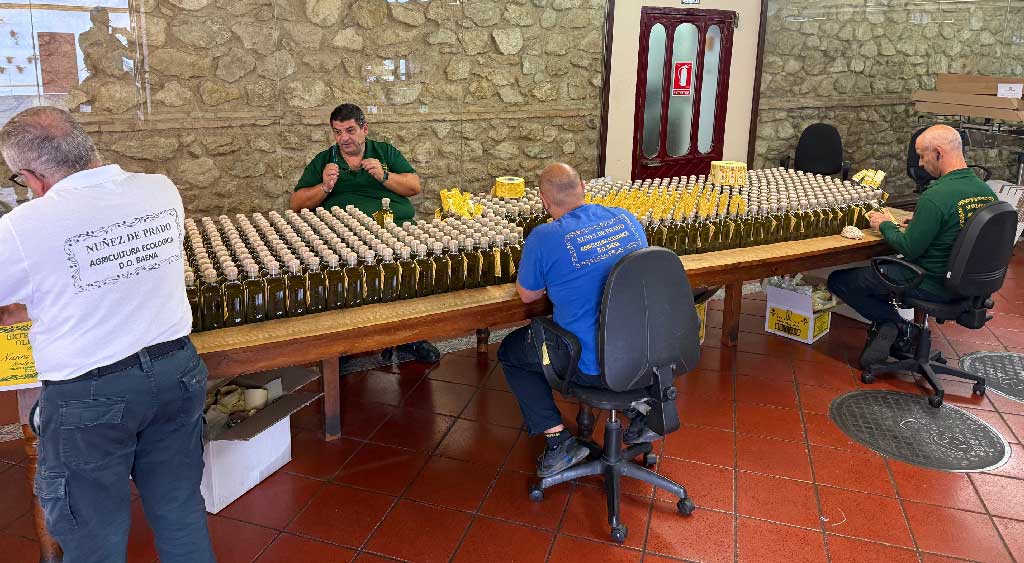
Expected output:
(316, 284)
(374, 278)
(409, 274)
(474, 264)
(425, 266)
(212, 300)
(255, 291)
(192, 292)
(384, 215)
(491, 261)
(355, 282)
(458, 266)
(392, 276)
(505, 264)
(442, 269)
(334, 277)
(277, 292)
(296, 289)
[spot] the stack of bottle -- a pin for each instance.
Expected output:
(258, 267)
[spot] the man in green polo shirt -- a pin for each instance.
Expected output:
(926, 241)
(361, 172)
(357, 171)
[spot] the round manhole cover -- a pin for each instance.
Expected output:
(1003, 371)
(902, 426)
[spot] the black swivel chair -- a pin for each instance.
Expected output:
(920, 176)
(647, 334)
(977, 266)
(819, 151)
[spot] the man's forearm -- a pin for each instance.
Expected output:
(403, 184)
(308, 198)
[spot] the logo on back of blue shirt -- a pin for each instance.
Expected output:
(601, 241)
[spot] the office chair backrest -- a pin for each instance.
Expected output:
(981, 254)
(819, 150)
(647, 320)
(919, 175)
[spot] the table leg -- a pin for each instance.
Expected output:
(332, 398)
(483, 337)
(731, 314)
(49, 549)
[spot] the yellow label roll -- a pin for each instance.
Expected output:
(728, 173)
(509, 187)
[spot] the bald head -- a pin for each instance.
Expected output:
(561, 186)
(940, 150)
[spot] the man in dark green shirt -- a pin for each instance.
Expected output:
(357, 171)
(927, 240)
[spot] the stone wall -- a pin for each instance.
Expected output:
(856, 65)
(230, 98)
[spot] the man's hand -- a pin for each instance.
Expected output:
(875, 219)
(374, 167)
(330, 176)
(906, 221)
(13, 314)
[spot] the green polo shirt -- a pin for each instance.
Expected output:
(941, 212)
(358, 187)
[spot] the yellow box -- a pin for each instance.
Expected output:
(702, 314)
(791, 314)
(17, 368)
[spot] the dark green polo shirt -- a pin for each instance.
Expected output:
(358, 187)
(941, 212)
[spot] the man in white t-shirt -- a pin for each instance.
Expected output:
(96, 258)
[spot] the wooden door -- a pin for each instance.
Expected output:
(681, 91)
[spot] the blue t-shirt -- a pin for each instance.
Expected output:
(571, 258)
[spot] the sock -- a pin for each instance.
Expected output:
(555, 439)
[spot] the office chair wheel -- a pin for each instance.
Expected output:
(685, 506)
(536, 493)
(935, 401)
(867, 378)
(650, 460)
(978, 388)
(619, 533)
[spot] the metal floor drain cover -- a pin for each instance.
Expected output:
(1003, 371)
(902, 426)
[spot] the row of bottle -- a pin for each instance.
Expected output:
(230, 300)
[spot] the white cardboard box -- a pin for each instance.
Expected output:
(234, 467)
(1014, 195)
(792, 315)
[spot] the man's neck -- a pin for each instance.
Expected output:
(557, 212)
(953, 166)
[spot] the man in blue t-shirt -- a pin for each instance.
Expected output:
(569, 259)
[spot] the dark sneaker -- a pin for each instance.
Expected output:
(566, 455)
(878, 346)
(906, 342)
(422, 351)
(639, 433)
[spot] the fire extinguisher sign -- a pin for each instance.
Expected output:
(682, 79)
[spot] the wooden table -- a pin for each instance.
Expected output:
(321, 338)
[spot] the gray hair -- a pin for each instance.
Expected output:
(47, 140)
(561, 183)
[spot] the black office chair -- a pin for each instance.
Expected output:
(922, 179)
(819, 151)
(647, 334)
(977, 266)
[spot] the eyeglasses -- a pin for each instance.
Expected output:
(14, 177)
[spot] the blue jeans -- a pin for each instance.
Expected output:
(145, 421)
(525, 376)
(862, 289)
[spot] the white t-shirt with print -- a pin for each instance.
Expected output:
(98, 263)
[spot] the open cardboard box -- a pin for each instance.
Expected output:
(239, 458)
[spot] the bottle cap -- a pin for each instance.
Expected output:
(210, 275)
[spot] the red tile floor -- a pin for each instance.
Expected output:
(434, 468)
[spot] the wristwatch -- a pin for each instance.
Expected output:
(385, 177)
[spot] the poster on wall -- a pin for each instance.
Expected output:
(682, 78)
(17, 368)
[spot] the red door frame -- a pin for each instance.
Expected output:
(693, 162)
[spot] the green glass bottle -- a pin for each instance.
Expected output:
(458, 266)
(255, 291)
(474, 264)
(211, 298)
(316, 284)
(490, 259)
(410, 274)
(425, 266)
(296, 289)
(277, 292)
(442, 269)
(506, 265)
(515, 250)
(392, 277)
(192, 292)
(373, 278)
(335, 278)
(355, 281)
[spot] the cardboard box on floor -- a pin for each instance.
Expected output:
(792, 314)
(239, 458)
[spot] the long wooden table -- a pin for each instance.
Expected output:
(321, 338)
